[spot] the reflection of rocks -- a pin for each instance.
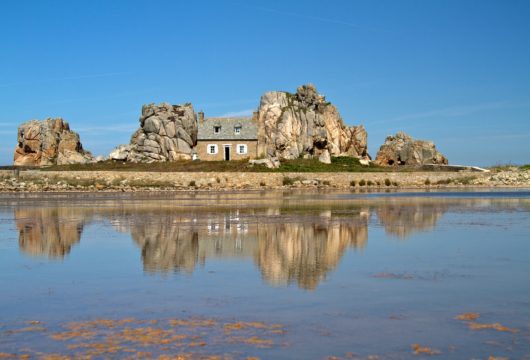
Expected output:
(167, 245)
(302, 252)
(305, 252)
(402, 220)
(48, 231)
(290, 244)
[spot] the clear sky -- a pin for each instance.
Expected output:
(455, 72)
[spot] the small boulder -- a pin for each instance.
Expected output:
(325, 157)
(120, 153)
(271, 163)
(402, 149)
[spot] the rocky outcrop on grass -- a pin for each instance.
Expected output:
(305, 124)
(402, 149)
(49, 142)
(167, 133)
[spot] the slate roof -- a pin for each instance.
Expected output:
(249, 129)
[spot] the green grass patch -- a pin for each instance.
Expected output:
(466, 180)
(338, 164)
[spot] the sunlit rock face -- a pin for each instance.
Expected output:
(403, 220)
(49, 142)
(50, 232)
(167, 132)
(305, 124)
(304, 253)
(402, 149)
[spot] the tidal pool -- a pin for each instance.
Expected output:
(269, 275)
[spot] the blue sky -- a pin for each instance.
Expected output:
(455, 72)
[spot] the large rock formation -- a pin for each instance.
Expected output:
(49, 142)
(167, 132)
(402, 149)
(305, 124)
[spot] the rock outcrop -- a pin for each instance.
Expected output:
(167, 132)
(120, 153)
(49, 142)
(305, 124)
(402, 149)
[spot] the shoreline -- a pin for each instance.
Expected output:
(30, 181)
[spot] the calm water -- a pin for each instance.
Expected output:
(266, 274)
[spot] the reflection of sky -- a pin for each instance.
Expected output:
(474, 258)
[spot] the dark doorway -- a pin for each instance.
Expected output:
(227, 152)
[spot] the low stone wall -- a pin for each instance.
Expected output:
(34, 180)
(245, 179)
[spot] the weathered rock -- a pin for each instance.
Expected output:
(364, 162)
(402, 149)
(120, 153)
(167, 133)
(325, 157)
(271, 163)
(49, 142)
(305, 125)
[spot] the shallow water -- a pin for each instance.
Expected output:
(266, 274)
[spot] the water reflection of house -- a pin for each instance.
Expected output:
(300, 252)
(288, 247)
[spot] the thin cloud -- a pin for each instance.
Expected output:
(455, 111)
(241, 113)
(66, 78)
(320, 19)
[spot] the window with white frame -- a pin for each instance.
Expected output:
(212, 149)
(237, 129)
(241, 149)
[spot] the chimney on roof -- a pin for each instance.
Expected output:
(201, 117)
